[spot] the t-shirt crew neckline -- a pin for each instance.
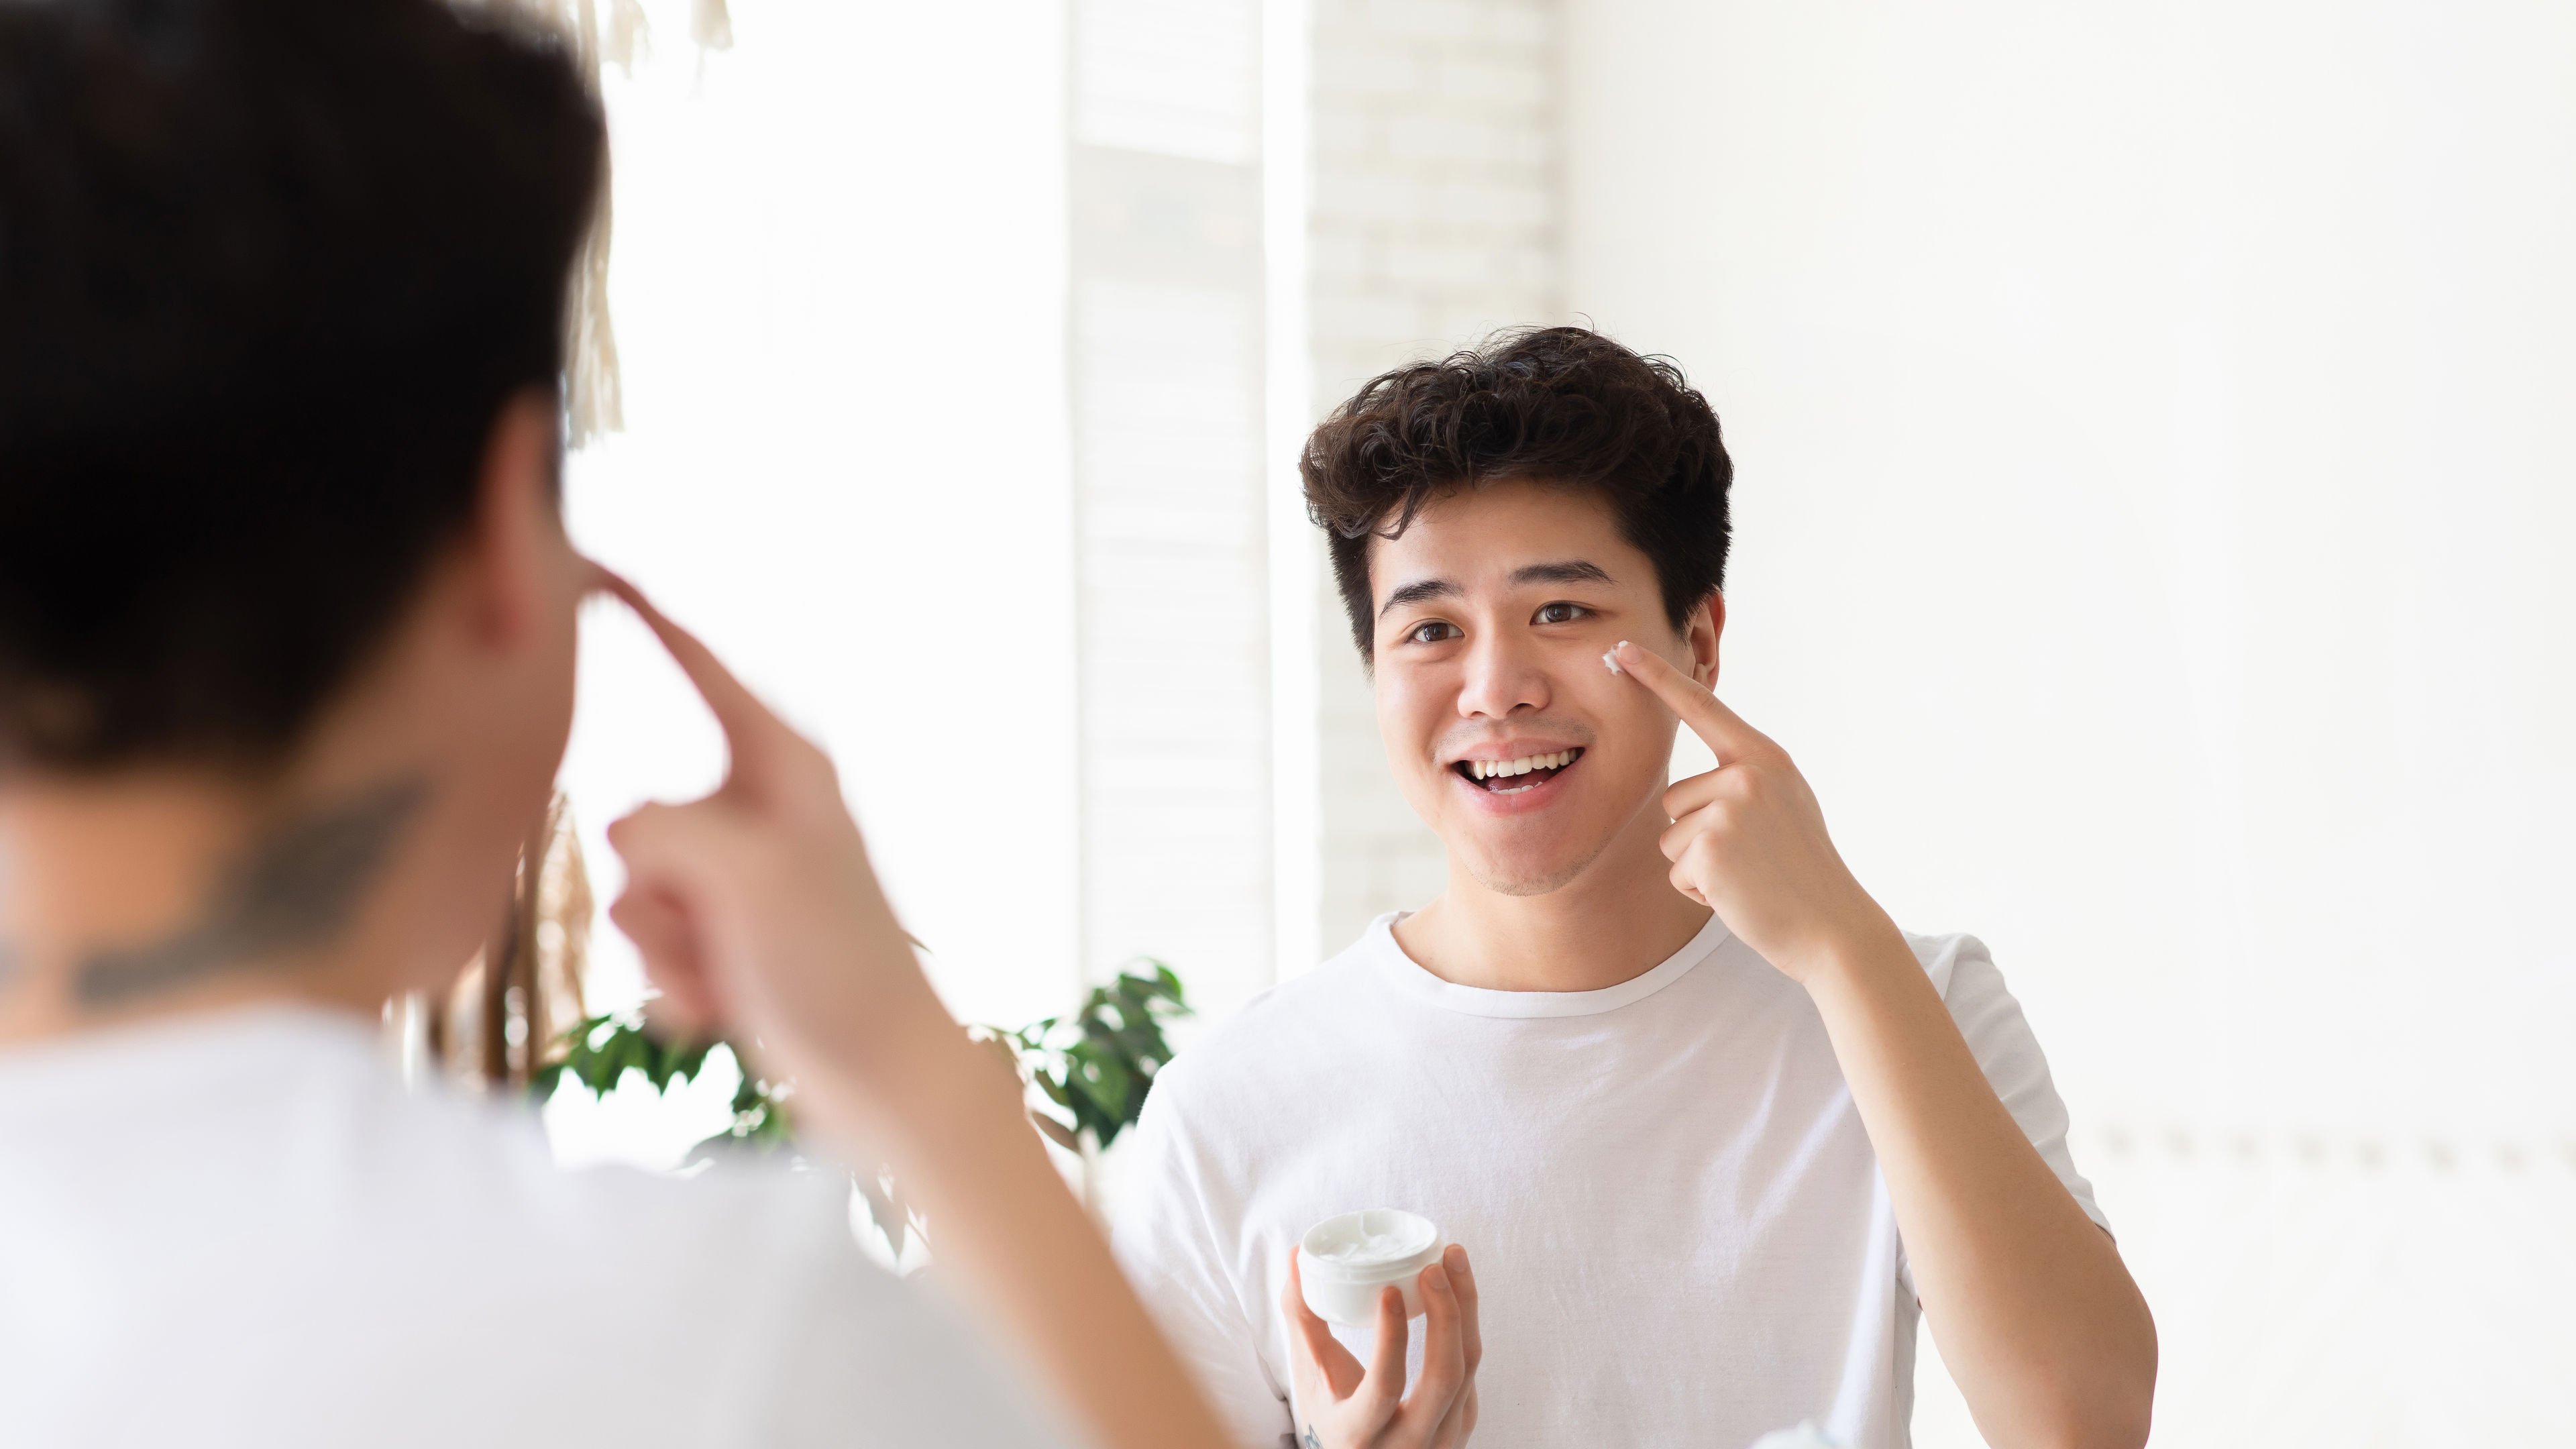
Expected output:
(1410, 977)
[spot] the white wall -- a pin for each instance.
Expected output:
(2153, 478)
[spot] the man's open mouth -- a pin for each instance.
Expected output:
(1511, 777)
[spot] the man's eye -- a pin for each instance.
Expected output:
(1434, 632)
(1560, 613)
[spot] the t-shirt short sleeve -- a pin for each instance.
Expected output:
(1166, 1239)
(2000, 1038)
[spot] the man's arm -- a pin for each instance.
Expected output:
(756, 908)
(2035, 1314)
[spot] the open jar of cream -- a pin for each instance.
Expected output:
(1343, 1262)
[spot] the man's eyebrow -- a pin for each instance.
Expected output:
(1417, 591)
(1564, 571)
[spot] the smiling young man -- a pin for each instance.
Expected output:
(1716, 1130)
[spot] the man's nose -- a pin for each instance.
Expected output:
(1503, 674)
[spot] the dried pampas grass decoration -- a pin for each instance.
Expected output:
(593, 404)
(502, 1021)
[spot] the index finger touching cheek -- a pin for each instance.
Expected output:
(1720, 728)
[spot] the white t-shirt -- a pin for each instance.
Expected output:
(242, 1230)
(1679, 1232)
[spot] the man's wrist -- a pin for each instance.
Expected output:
(1850, 955)
(912, 1081)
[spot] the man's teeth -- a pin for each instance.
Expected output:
(1496, 769)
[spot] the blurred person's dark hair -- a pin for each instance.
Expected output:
(269, 272)
(1564, 406)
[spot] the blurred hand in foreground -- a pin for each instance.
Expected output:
(759, 916)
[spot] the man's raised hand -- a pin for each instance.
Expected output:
(1748, 839)
(1343, 1406)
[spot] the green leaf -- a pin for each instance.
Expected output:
(1104, 1080)
(688, 1062)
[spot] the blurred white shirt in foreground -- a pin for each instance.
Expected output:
(242, 1229)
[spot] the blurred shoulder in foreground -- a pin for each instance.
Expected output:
(242, 1228)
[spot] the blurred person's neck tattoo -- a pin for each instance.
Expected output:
(292, 889)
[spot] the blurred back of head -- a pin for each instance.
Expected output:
(268, 271)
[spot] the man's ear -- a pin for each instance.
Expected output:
(1707, 622)
(517, 530)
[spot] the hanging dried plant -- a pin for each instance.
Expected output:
(594, 401)
(500, 1025)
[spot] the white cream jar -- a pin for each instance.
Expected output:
(1344, 1262)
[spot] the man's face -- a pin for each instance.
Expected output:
(1494, 609)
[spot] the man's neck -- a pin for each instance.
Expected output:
(146, 895)
(1616, 920)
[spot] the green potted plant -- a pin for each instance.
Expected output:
(1092, 1070)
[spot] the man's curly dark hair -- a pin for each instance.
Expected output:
(1564, 406)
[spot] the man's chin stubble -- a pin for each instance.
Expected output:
(1538, 885)
(1564, 873)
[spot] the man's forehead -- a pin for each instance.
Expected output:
(1505, 536)
(1511, 505)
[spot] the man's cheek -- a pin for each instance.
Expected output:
(1635, 739)
(1409, 722)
